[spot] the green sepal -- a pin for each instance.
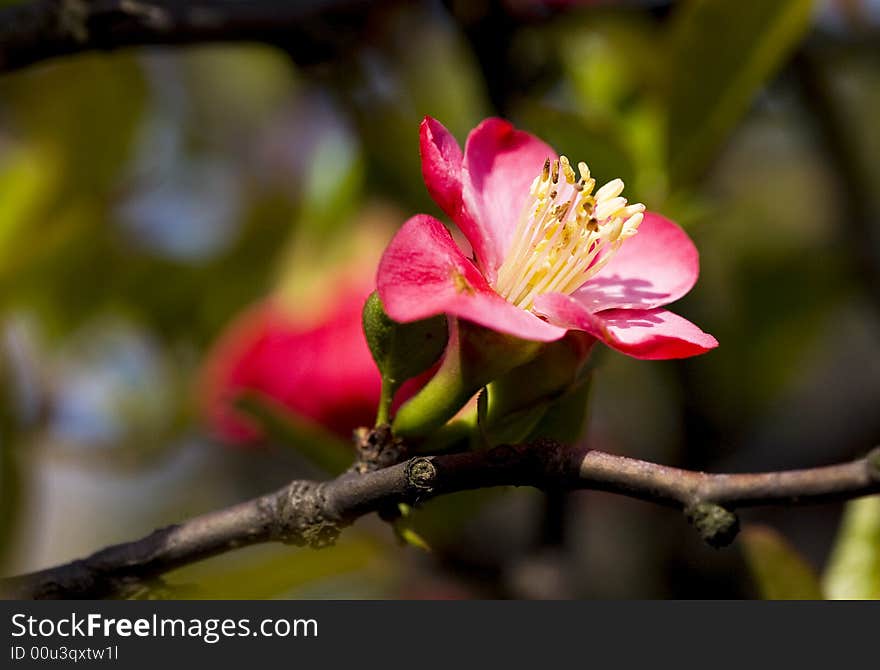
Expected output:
(517, 403)
(475, 357)
(567, 418)
(401, 350)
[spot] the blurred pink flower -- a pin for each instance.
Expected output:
(550, 254)
(319, 371)
(303, 348)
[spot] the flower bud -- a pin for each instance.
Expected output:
(401, 350)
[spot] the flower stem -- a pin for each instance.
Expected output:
(386, 397)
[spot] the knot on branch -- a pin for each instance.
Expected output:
(421, 474)
(301, 517)
(717, 526)
(377, 448)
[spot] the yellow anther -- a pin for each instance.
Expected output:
(615, 229)
(631, 226)
(607, 209)
(611, 190)
(565, 166)
(569, 230)
(630, 210)
(587, 204)
(559, 244)
(535, 187)
(560, 211)
(589, 184)
(584, 171)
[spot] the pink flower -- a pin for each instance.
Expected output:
(320, 370)
(550, 254)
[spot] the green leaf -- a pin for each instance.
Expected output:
(723, 52)
(27, 176)
(90, 119)
(853, 572)
(405, 532)
(780, 573)
(412, 538)
(276, 571)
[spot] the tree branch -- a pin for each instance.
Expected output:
(36, 31)
(308, 513)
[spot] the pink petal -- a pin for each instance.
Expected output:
(500, 163)
(655, 267)
(641, 333)
(441, 165)
(423, 273)
(441, 170)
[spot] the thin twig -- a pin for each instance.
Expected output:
(312, 514)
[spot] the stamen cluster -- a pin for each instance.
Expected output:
(565, 233)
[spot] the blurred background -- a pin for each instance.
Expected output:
(178, 222)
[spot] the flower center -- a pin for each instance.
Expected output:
(565, 234)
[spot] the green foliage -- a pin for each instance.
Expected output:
(88, 121)
(723, 52)
(853, 571)
(405, 532)
(282, 572)
(27, 177)
(778, 571)
(613, 76)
